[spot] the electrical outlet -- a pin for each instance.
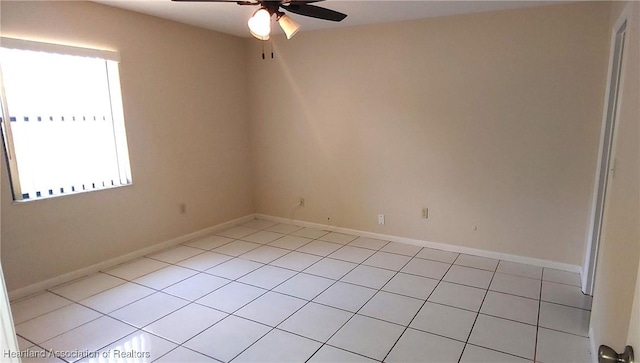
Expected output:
(183, 208)
(425, 213)
(301, 202)
(380, 218)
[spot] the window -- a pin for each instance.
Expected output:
(62, 119)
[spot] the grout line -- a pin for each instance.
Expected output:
(261, 244)
(75, 327)
(311, 300)
(273, 328)
(421, 306)
(565, 305)
(535, 347)
(564, 332)
(48, 292)
(478, 315)
(363, 305)
(501, 352)
(171, 350)
(579, 285)
(346, 350)
(452, 264)
(163, 316)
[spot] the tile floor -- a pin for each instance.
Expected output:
(281, 293)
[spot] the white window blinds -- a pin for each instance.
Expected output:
(63, 121)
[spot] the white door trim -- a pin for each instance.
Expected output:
(9, 351)
(606, 154)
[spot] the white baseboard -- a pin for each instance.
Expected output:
(43, 285)
(436, 245)
(73, 275)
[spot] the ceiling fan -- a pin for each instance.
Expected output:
(260, 22)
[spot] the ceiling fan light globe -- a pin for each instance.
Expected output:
(258, 36)
(260, 24)
(289, 26)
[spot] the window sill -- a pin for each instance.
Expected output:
(49, 197)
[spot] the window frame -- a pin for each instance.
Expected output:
(112, 60)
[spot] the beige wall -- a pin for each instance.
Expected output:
(188, 136)
(490, 120)
(612, 322)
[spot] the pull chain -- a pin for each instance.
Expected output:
(271, 48)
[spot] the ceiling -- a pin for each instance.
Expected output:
(232, 19)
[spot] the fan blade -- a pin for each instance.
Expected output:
(219, 1)
(286, 2)
(315, 11)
